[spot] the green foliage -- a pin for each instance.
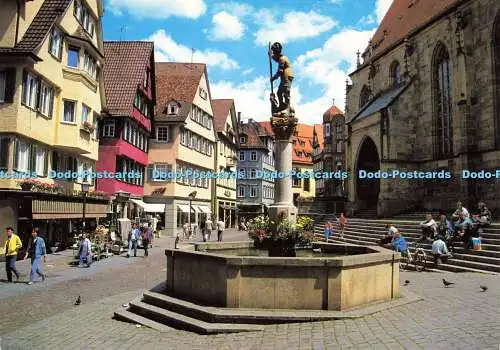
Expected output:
(302, 233)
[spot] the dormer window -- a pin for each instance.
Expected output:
(203, 93)
(243, 139)
(173, 108)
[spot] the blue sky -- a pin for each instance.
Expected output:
(319, 37)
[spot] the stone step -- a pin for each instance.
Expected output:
(455, 264)
(127, 316)
(183, 322)
(234, 316)
(406, 225)
(375, 237)
(409, 235)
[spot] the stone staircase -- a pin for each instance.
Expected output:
(362, 231)
(160, 311)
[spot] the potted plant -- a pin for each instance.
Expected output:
(281, 238)
(88, 126)
(27, 184)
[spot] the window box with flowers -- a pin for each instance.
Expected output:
(281, 238)
(39, 186)
(98, 194)
(88, 127)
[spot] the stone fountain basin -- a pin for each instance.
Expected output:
(356, 277)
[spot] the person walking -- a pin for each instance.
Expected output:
(36, 251)
(146, 238)
(220, 229)
(342, 224)
(12, 245)
(85, 252)
(327, 231)
(133, 236)
(209, 228)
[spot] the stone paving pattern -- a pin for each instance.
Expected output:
(459, 317)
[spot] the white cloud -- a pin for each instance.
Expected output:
(225, 27)
(235, 8)
(251, 97)
(169, 50)
(322, 67)
(293, 26)
(381, 8)
(247, 71)
(159, 8)
(367, 20)
(317, 69)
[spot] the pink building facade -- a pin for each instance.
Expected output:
(125, 129)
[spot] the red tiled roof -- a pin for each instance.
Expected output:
(305, 134)
(403, 17)
(124, 70)
(251, 130)
(221, 108)
(178, 82)
(332, 112)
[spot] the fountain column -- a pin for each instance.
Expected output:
(283, 207)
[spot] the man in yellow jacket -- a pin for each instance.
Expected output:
(12, 245)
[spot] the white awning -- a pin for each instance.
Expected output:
(150, 207)
(205, 209)
(195, 208)
(184, 208)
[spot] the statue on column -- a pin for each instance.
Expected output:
(283, 115)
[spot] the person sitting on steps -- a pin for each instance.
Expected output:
(429, 227)
(391, 231)
(440, 251)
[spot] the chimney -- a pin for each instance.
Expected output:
(250, 120)
(239, 117)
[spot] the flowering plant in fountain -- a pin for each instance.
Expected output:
(263, 229)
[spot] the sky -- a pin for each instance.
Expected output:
(320, 38)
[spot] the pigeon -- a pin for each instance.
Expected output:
(483, 288)
(78, 300)
(446, 283)
(407, 282)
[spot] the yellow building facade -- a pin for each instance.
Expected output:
(183, 145)
(51, 96)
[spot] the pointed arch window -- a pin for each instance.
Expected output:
(395, 72)
(496, 57)
(364, 97)
(442, 76)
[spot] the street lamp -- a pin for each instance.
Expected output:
(191, 196)
(85, 191)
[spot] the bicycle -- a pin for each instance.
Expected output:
(417, 258)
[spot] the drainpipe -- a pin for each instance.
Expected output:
(18, 4)
(392, 277)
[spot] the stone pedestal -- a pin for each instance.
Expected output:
(283, 207)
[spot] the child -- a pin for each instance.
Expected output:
(327, 231)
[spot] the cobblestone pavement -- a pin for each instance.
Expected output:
(459, 317)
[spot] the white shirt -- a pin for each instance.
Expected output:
(463, 211)
(439, 247)
(220, 225)
(429, 223)
(208, 225)
(392, 231)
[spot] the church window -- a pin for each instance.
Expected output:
(395, 72)
(442, 77)
(364, 97)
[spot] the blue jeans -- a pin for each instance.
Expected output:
(10, 266)
(132, 244)
(35, 268)
(85, 259)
